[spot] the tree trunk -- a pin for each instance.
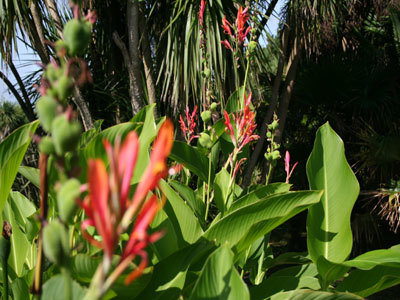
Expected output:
(52, 8)
(268, 117)
(147, 62)
(39, 26)
(83, 109)
(135, 63)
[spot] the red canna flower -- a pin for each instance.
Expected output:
(244, 125)
(188, 129)
(201, 12)
(108, 207)
(241, 19)
(227, 45)
(227, 26)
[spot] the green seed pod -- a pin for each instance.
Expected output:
(268, 156)
(66, 196)
(65, 134)
(55, 243)
(63, 87)
(274, 125)
(77, 35)
(206, 116)
(255, 19)
(207, 73)
(46, 145)
(252, 46)
(276, 155)
(213, 106)
(269, 134)
(253, 31)
(61, 46)
(46, 108)
(205, 140)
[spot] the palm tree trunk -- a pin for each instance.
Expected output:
(83, 109)
(52, 8)
(39, 26)
(147, 62)
(272, 106)
(265, 18)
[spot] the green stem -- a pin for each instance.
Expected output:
(67, 283)
(208, 187)
(269, 174)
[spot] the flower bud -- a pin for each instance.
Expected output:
(205, 140)
(66, 196)
(207, 73)
(206, 116)
(46, 145)
(253, 31)
(55, 243)
(276, 155)
(65, 134)
(53, 72)
(274, 125)
(77, 35)
(46, 108)
(213, 106)
(269, 134)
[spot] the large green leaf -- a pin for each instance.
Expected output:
(328, 223)
(169, 275)
(192, 159)
(314, 295)
(12, 151)
(54, 288)
(265, 215)
(19, 242)
(185, 223)
(222, 190)
(219, 278)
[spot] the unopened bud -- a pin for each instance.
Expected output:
(65, 134)
(66, 196)
(46, 108)
(55, 243)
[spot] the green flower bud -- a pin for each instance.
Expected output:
(206, 116)
(255, 19)
(253, 31)
(268, 156)
(269, 134)
(65, 134)
(252, 46)
(207, 73)
(77, 35)
(46, 145)
(55, 243)
(213, 106)
(276, 155)
(205, 140)
(61, 46)
(66, 196)
(53, 72)
(63, 87)
(46, 108)
(274, 125)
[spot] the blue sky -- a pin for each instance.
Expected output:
(26, 61)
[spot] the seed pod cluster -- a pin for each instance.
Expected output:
(55, 243)
(77, 33)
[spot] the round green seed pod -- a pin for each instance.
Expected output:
(206, 116)
(268, 156)
(77, 35)
(213, 106)
(55, 243)
(65, 134)
(46, 108)
(274, 125)
(269, 134)
(276, 155)
(63, 87)
(46, 145)
(253, 31)
(53, 72)
(66, 196)
(205, 140)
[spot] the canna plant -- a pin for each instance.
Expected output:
(118, 220)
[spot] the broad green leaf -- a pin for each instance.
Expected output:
(235, 101)
(169, 275)
(260, 193)
(192, 159)
(30, 173)
(266, 214)
(182, 217)
(54, 288)
(189, 196)
(12, 151)
(328, 223)
(89, 135)
(219, 278)
(84, 267)
(19, 243)
(22, 207)
(314, 295)
(367, 282)
(288, 258)
(20, 289)
(276, 284)
(222, 190)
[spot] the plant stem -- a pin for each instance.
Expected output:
(67, 283)
(208, 186)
